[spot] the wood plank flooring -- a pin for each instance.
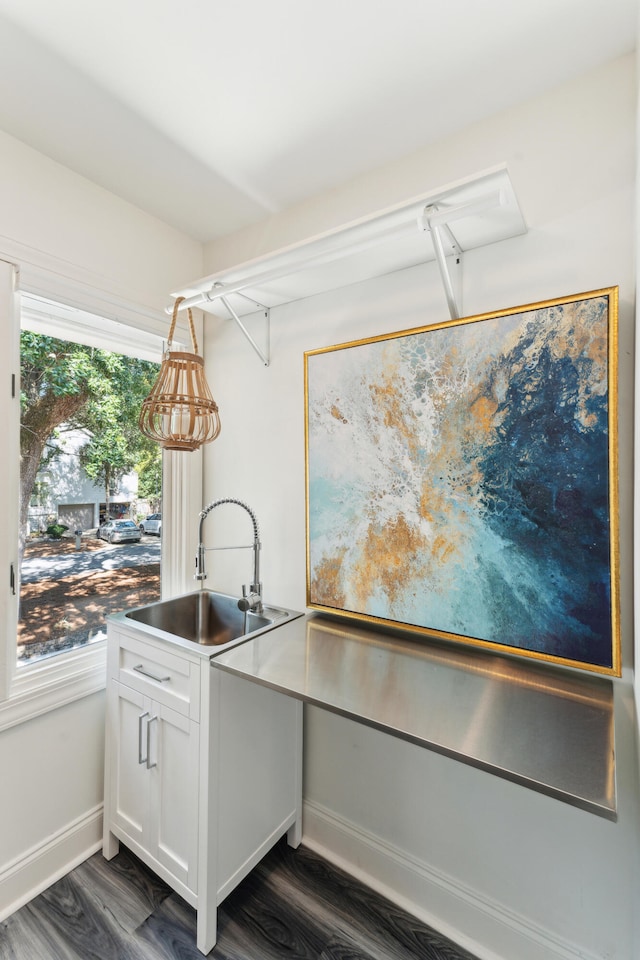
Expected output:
(293, 906)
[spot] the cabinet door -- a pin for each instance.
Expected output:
(154, 780)
(174, 786)
(129, 777)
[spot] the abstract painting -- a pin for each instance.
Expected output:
(462, 480)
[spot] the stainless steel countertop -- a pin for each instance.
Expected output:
(543, 727)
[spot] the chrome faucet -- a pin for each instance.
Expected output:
(252, 593)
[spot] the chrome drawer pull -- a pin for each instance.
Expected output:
(155, 762)
(139, 668)
(141, 720)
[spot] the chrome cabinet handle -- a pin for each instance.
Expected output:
(141, 719)
(139, 668)
(155, 762)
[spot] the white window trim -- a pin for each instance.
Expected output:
(48, 684)
(9, 479)
(53, 682)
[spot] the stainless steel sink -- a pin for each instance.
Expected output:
(207, 618)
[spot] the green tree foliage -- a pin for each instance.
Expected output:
(116, 446)
(87, 388)
(149, 470)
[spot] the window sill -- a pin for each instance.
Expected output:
(49, 684)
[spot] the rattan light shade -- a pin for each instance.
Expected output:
(180, 412)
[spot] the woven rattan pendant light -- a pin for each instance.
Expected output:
(180, 412)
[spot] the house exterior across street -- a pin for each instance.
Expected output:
(65, 494)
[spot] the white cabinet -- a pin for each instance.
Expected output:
(203, 769)
(154, 769)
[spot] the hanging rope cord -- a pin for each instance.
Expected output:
(174, 319)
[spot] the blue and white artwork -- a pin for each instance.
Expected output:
(460, 480)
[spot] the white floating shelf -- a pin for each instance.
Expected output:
(470, 213)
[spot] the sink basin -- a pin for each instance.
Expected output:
(207, 618)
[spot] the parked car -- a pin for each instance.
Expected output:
(119, 531)
(152, 524)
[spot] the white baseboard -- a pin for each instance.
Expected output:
(486, 928)
(35, 870)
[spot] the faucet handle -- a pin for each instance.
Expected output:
(251, 599)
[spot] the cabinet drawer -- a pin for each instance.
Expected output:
(168, 678)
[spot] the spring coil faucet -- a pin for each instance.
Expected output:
(252, 594)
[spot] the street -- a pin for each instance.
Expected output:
(107, 557)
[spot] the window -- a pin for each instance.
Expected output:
(47, 683)
(88, 478)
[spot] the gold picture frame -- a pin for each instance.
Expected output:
(462, 480)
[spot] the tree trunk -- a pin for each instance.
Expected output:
(30, 456)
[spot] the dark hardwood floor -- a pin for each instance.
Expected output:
(294, 905)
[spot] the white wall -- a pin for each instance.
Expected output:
(50, 215)
(60, 227)
(500, 866)
(51, 797)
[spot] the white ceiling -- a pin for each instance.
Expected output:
(211, 114)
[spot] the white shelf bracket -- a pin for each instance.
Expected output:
(221, 292)
(218, 293)
(431, 219)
